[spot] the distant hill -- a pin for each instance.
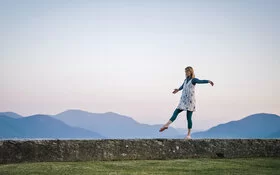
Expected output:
(113, 125)
(261, 125)
(82, 124)
(275, 135)
(40, 126)
(11, 114)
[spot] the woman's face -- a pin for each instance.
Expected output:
(188, 73)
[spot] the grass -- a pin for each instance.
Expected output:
(136, 167)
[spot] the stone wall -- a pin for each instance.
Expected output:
(12, 151)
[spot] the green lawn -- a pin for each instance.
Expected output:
(180, 166)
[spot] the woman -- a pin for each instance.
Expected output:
(187, 102)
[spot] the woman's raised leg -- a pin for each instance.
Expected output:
(173, 117)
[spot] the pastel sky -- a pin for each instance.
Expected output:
(127, 56)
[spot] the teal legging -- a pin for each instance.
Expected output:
(189, 116)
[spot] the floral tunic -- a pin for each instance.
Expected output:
(187, 101)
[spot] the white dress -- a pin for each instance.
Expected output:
(187, 101)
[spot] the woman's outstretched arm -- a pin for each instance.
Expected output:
(198, 81)
(181, 87)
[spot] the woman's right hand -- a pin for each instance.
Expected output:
(175, 91)
(211, 82)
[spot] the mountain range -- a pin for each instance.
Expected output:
(113, 125)
(260, 125)
(41, 126)
(78, 124)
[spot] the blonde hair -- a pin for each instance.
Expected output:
(189, 68)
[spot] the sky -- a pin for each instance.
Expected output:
(127, 56)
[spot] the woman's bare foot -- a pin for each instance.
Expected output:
(188, 137)
(163, 128)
